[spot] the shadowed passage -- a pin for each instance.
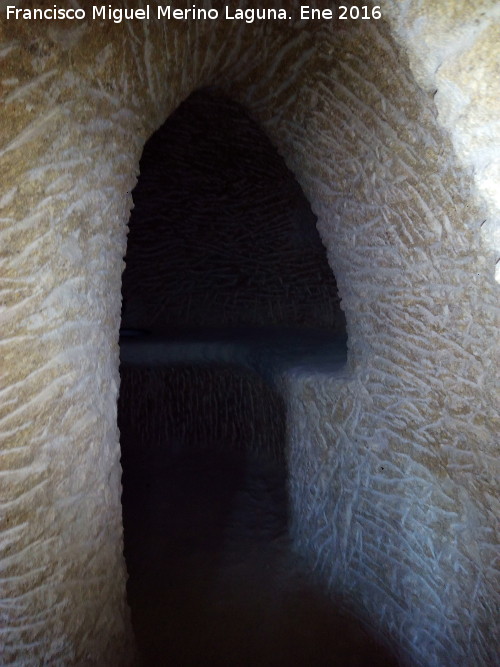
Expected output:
(227, 289)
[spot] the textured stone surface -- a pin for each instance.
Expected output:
(184, 409)
(454, 49)
(393, 468)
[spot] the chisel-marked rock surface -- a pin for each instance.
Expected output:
(392, 131)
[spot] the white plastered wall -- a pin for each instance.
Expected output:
(392, 466)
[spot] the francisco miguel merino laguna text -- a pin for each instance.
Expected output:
(117, 15)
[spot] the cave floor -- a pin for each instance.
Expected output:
(212, 578)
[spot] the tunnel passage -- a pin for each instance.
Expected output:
(226, 288)
(221, 233)
(213, 579)
(224, 269)
(193, 442)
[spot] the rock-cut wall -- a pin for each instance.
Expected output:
(393, 466)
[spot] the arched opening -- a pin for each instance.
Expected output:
(221, 235)
(226, 288)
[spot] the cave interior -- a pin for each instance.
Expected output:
(227, 288)
(305, 462)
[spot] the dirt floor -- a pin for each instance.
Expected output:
(213, 581)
